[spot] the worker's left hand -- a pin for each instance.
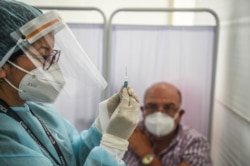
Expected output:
(139, 142)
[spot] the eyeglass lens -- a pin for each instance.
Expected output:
(54, 57)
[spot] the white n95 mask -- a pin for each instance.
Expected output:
(40, 86)
(159, 124)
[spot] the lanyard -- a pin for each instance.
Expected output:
(4, 108)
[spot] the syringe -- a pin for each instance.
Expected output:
(125, 85)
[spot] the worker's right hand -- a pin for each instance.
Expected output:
(122, 122)
(113, 101)
(108, 106)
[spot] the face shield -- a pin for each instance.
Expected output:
(48, 42)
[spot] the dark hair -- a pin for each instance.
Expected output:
(15, 55)
(13, 15)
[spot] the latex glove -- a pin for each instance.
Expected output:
(139, 142)
(113, 101)
(123, 121)
(108, 106)
(106, 109)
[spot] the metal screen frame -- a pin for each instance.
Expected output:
(167, 10)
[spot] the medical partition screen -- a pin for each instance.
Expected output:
(182, 55)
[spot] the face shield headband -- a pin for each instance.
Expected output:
(46, 40)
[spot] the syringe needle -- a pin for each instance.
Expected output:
(126, 79)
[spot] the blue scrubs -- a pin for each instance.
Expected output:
(18, 148)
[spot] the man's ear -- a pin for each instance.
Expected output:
(2, 73)
(181, 113)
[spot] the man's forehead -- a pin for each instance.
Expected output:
(161, 92)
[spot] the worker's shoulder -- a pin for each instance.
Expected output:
(40, 106)
(43, 109)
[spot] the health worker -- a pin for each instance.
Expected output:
(37, 52)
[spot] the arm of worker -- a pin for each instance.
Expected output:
(140, 144)
(105, 142)
(78, 149)
(87, 149)
(122, 108)
(122, 122)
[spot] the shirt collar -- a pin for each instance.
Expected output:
(24, 108)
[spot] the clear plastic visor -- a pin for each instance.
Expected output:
(47, 41)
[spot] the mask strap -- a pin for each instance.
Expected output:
(18, 67)
(13, 86)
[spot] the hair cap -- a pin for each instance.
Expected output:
(13, 15)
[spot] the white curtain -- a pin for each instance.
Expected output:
(180, 55)
(82, 110)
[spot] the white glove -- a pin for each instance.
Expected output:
(123, 121)
(108, 106)
(106, 109)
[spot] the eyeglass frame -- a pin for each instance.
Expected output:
(169, 109)
(15, 55)
(53, 60)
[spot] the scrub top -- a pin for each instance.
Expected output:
(17, 147)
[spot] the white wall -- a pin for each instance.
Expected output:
(231, 126)
(107, 6)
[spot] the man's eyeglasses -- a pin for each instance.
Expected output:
(169, 109)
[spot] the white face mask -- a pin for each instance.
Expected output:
(40, 86)
(159, 124)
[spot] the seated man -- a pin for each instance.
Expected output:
(160, 139)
